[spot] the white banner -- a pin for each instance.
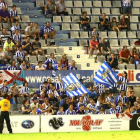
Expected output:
(24, 124)
(80, 123)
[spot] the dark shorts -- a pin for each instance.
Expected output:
(124, 61)
(126, 10)
(113, 90)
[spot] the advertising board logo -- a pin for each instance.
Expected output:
(56, 123)
(86, 122)
(138, 122)
(27, 124)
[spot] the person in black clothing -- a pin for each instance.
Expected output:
(104, 22)
(113, 62)
(132, 98)
(85, 22)
(81, 109)
(65, 103)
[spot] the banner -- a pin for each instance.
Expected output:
(81, 123)
(24, 124)
(135, 122)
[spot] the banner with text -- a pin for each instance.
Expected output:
(80, 123)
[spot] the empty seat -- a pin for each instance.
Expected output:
(107, 4)
(24, 25)
(78, 66)
(33, 59)
(68, 3)
(61, 36)
(103, 34)
(136, 3)
(117, 4)
(133, 26)
(101, 58)
(75, 19)
(69, 58)
(41, 58)
(115, 11)
(78, 4)
(132, 41)
(58, 58)
(121, 66)
(94, 18)
(71, 44)
(87, 3)
(130, 66)
(42, 42)
(7, 26)
(96, 11)
(50, 50)
(97, 4)
(75, 26)
(40, 3)
(87, 10)
(13, 107)
(74, 34)
(60, 50)
(114, 42)
(69, 11)
(122, 34)
(124, 42)
(84, 35)
(106, 11)
(138, 66)
(66, 19)
(26, 58)
(66, 26)
(19, 10)
(135, 11)
(131, 34)
(83, 43)
(25, 18)
(94, 25)
(134, 19)
(138, 34)
(57, 19)
(112, 34)
(114, 50)
(77, 11)
(9, 3)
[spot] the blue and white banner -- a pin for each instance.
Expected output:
(106, 75)
(73, 86)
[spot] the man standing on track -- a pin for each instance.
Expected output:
(5, 105)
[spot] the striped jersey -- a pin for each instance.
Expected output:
(59, 86)
(53, 61)
(119, 109)
(92, 106)
(24, 90)
(60, 113)
(111, 100)
(55, 93)
(4, 89)
(13, 13)
(14, 28)
(46, 29)
(17, 38)
(68, 112)
(20, 55)
(72, 68)
(122, 99)
(11, 67)
(23, 67)
(124, 85)
(100, 88)
(112, 111)
(4, 37)
(3, 4)
(41, 87)
(126, 3)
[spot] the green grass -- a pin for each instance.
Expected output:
(119, 135)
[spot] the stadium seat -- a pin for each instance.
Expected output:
(121, 66)
(78, 4)
(19, 11)
(41, 58)
(58, 58)
(114, 42)
(97, 4)
(50, 50)
(78, 66)
(107, 4)
(69, 58)
(75, 19)
(24, 25)
(71, 44)
(117, 4)
(66, 26)
(94, 25)
(87, 3)
(96, 11)
(75, 26)
(57, 19)
(68, 3)
(9, 3)
(134, 19)
(33, 59)
(84, 35)
(132, 41)
(115, 11)
(131, 34)
(112, 34)
(138, 33)
(60, 50)
(69, 11)
(26, 58)
(138, 66)
(61, 36)
(101, 58)
(114, 50)
(77, 11)
(133, 26)
(66, 18)
(136, 3)
(135, 11)
(124, 42)
(94, 18)
(74, 34)
(83, 43)
(103, 34)
(7, 26)
(130, 66)
(40, 3)
(13, 107)
(122, 34)
(25, 18)
(106, 11)
(87, 10)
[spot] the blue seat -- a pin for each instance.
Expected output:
(61, 36)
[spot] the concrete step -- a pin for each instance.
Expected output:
(77, 52)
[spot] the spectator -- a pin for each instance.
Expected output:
(104, 48)
(2, 56)
(19, 55)
(15, 27)
(35, 95)
(49, 66)
(126, 7)
(40, 110)
(36, 47)
(65, 103)
(40, 66)
(25, 91)
(113, 61)
(42, 97)
(23, 66)
(50, 8)
(85, 22)
(113, 109)
(36, 30)
(61, 111)
(17, 38)
(2, 4)
(114, 25)
(80, 111)
(34, 111)
(29, 65)
(102, 111)
(34, 103)
(132, 99)
(25, 107)
(13, 14)
(124, 23)
(27, 47)
(100, 88)
(93, 46)
(80, 102)
(129, 91)
(119, 108)
(59, 86)
(51, 59)
(95, 33)
(64, 61)
(72, 66)
(70, 110)
(48, 32)
(110, 99)
(134, 55)
(104, 22)
(4, 35)
(46, 104)
(137, 104)
(4, 15)
(92, 106)
(58, 66)
(30, 30)
(4, 88)
(61, 8)
(124, 55)
(12, 66)
(45, 86)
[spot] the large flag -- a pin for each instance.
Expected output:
(124, 116)
(12, 76)
(73, 86)
(106, 75)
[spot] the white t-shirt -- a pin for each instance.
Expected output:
(30, 31)
(42, 67)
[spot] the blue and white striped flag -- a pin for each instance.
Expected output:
(106, 75)
(73, 86)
